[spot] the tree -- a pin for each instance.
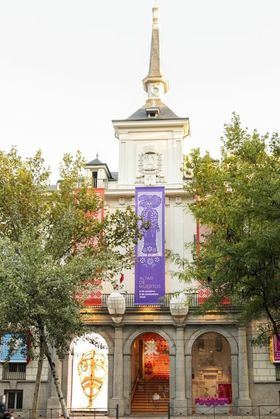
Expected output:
(238, 200)
(51, 244)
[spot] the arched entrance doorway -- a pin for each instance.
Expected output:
(211, 373)
(150, 374)
(89, 373)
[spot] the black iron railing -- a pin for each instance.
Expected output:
(238, 412)
(14, 375)
(56, 413)
(192, 299)
(212, 412)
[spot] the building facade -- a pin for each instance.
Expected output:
(154, 354)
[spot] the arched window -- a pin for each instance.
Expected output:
(150, 374)
(211, 372)
(89, 389)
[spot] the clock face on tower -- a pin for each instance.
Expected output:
(154, 91)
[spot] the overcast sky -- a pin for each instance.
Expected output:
(68, 67)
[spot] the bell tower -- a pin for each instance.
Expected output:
(151, 139)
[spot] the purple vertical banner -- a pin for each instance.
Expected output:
(276, 349)
(149, 252)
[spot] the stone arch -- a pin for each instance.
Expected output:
(69, 361)
(110, 342)
(140, 331)
(208, 329)
(101, 332)
(127, 351)
(106, 336)
(234, 359)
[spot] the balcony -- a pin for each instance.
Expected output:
(194, 299)
(130, 303)
(14, 371)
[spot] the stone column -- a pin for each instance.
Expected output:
(118, 372)
(188, 372)
(180, 402)
(110, 373)
(172, 381)
(243, 372)
(234, 381)
(127, 385)
(66, 378)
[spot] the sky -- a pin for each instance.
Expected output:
(68, 67)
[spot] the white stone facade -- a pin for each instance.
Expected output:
(150, 153)
(263, 369)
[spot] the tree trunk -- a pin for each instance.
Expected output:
(56, 381)
(38, 383)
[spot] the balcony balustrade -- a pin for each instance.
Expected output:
(14, 371)
(193, 301)
(164, 304)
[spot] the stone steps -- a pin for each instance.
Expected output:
(143, 397)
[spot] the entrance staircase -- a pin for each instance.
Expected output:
(142, 401)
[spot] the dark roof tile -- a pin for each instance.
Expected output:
(95, 162)
(164, 113)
